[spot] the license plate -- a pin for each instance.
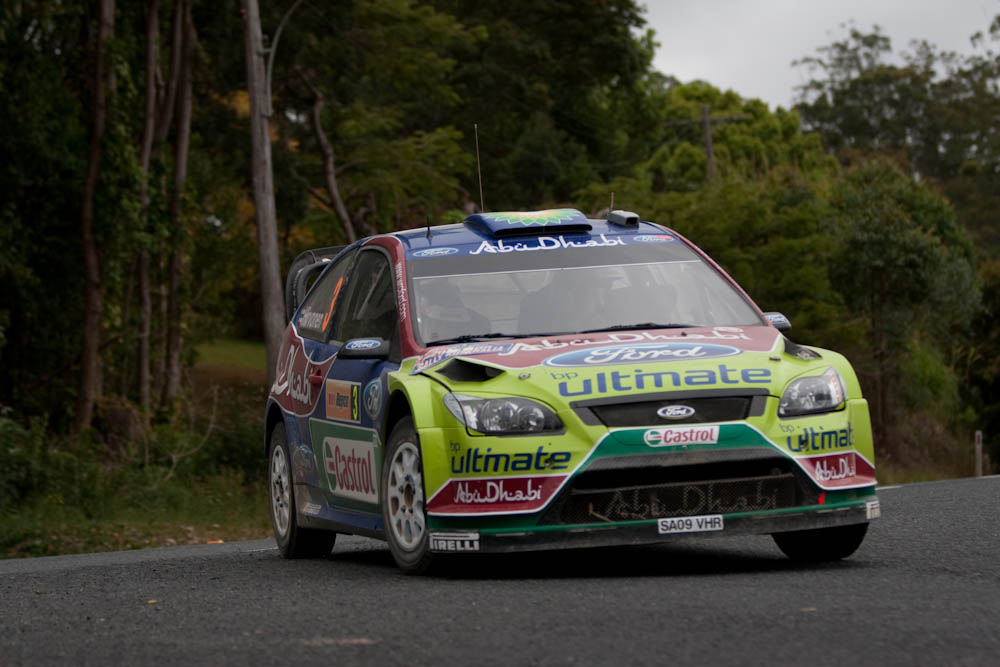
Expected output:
(690, 524)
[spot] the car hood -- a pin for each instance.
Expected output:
(581, 366)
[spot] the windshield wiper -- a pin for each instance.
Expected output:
(467, 338)
(642, 325)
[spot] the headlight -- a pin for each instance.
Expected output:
(507, 415)
(817, 393)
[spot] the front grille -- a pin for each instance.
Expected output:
(706, 410)
(651, 492)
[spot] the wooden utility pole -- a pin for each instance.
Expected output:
(263, 188)
(706, 122)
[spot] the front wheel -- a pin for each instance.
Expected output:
(821, 544)
(293, 540)
(403, 500)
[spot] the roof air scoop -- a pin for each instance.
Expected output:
(529, 223)
(623, 218)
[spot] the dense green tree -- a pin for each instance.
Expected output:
(904, 263)
(933, 114)
(561, 92)
(763, 220)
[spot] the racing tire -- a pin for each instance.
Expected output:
(403, 498)
(293, 540)
(821, 544)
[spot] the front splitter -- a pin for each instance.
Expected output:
(647, 532)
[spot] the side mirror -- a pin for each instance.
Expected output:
(364, 348)
(778, 321)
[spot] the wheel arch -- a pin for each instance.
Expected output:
(271, 419)
(397, 409)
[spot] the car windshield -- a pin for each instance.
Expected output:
(571, 291)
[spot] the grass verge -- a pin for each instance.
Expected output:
(197, 478)
(218, 508)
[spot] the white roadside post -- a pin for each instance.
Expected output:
(979, 453)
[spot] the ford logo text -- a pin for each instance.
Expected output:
(435, 252)
(675, 411)
(643, 352)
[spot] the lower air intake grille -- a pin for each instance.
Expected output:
(652, 493)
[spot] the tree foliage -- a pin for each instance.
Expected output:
(863, 214)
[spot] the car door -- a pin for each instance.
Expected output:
(346, 436)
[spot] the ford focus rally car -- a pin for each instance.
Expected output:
(540, 380)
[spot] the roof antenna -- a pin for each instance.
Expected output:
(611, 206)
(479, 171)
(428, 227)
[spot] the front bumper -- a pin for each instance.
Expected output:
(647, 531)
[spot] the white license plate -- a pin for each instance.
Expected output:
(690, 524)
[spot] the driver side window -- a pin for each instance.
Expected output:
(369, 304)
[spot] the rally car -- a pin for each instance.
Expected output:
(545, 380)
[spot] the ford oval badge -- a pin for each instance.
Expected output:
(675, 411)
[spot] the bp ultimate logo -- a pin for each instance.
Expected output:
(646, 352)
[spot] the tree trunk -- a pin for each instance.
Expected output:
(182, 138)
(329, 163)
(167, 98)
(272, 296)
(92, 290)
(142, 265)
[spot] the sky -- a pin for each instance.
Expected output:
(749, 45)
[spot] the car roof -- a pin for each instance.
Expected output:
(519, 225)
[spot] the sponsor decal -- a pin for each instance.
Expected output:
(475, 460)
(840, 470)
(350, 468)
(817, 439)
(716, 333)
(675, 411)
(292, 388)
(435, 252)
(691, 499)
(362, 344)
(653, 238)
(373, 398)
(873, 510)
(681, 435)
(498, 495)
(834, 468)
(490, 492)
(333, 302)
(646, 352)
(454, 541)
(639, 380)
(401, 291)
(311, 319)
(311, 508)
(545, 243)
(440, 354)
(690, 524)
(342, 400)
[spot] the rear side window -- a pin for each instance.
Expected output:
(316, 316)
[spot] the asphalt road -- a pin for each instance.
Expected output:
(923, 589)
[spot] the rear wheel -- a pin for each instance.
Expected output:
(293, 540)
(403, 500)
(821, 544)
